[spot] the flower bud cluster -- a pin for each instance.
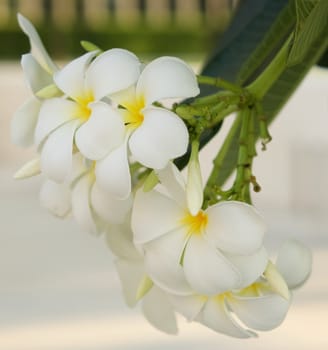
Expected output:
(105, 145)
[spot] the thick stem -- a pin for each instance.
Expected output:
(219, 83)
(218, 161)
(272, 72)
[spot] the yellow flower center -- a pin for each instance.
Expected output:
(84, 111)
(195, 224)
(134, 117)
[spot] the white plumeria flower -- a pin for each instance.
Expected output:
(81, 118)
(129, 263)
(257, 306)
(155, 135)
(230, 313)
(37, 65)
(214, 251)
(92, 208)
(38, 68)
(294, 262)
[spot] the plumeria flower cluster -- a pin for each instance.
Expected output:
(105, 140)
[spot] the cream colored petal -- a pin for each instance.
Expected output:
(24, 123)
(167, 77)
(36, 76)
(56, 198)
(110, 209)
(250, 267)
(119, 240)
(37, 48)
(235, 227)
(261, 313)
(56, 154)
(153, 215)
(130, 273)
(29, 169)
(53, 113)
(173, 181)
(161, 137)
(112, 71)
(207, 270)
(159, 312)
(101, 133)
(216, 316)
(113, 173)
(162, 262)
(294, 262)
(189, 306)
(81, 205)
(71, 78)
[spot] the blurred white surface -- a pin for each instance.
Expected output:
(58, 289)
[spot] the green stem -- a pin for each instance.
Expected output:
(272, 72)
(214, 98)
(220, 158)
(219, 83)
(221, 115)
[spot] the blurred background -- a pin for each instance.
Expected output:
(146, 27)
(58, 288)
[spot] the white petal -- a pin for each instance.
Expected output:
(161, 137)
(207, 270)
(79, 167)
(71, 78)
(194, 189)
(125, 97)
(29, 169)
(189, 306)
(37, 48)
(130, 274)
(167, 77)
(216, 316)
(24, 122)
(294, 262)
(56, 154)
(53, 113)
(159, 312)
(112, 71)
(119, 240)
(101, 133)
(113, 173)
(251, 267)
(56, 198)
(261, 313)
(81, 205)
(108, 208)
(154, 215)
(235, 227)
(276, 281)
(36, 76)
(162, 262)
(172, 179)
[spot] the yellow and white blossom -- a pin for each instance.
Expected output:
(214, 251)
(92, 208)
(258, 307)
(38, 68)
(80, 118)
(156, 135)
(129, 262)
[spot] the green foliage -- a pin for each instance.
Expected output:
(311, 24)
(257, 59)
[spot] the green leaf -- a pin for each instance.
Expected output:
(89, 46)
(272, 40)
(280, 91)
(249, 26)
(312, 23)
